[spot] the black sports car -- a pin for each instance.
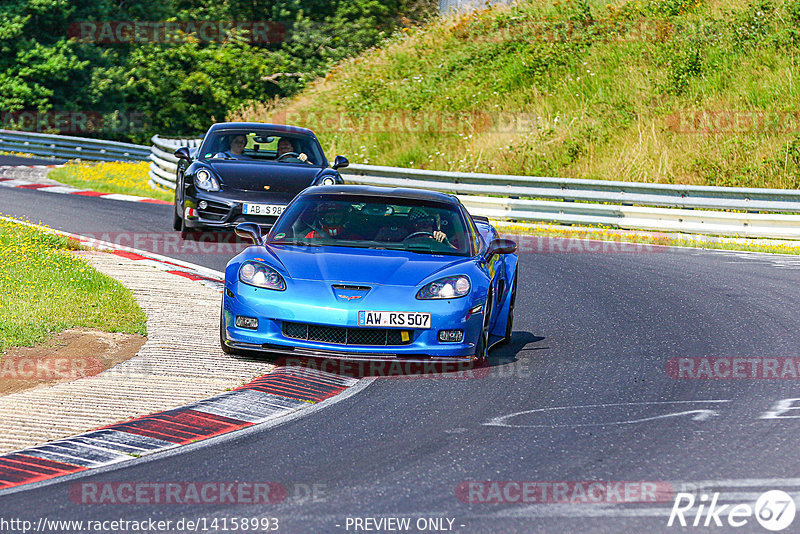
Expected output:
(247, 172)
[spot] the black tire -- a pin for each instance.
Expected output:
(183, 229)
(510, 320)
(177, 222)
(482, 347)
(176, 203)
(225, 348)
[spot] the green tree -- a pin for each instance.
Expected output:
(182, 87)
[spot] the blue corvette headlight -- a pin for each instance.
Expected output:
(451, 287)
(204, 180)
(260, 275)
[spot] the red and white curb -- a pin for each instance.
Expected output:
(285, 390)
(69, 190)
(277, 394)
(206, 277)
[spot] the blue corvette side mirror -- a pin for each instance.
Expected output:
(500, 246)
(340, 162)
(250, 231)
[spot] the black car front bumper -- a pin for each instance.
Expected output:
(225, 210)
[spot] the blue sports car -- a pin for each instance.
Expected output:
(371, 273)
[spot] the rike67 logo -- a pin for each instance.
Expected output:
(774, 510)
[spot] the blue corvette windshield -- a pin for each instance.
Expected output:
(373, 222)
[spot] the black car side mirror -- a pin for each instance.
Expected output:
(340, 162)
(500, 246)
(183, 153)
(248, 230)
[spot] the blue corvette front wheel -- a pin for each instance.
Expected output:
(225, 348)
(482, 347)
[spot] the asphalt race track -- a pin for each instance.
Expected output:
(18, 160)
(133, 224)
(588, 366)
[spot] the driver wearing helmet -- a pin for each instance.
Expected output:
(331, 222)
(425, 225)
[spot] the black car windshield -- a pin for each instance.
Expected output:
(263, 145)
(413, 225)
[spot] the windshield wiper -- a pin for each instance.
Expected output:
(431, 250)
(352, 245)
(417, 249)
(296, 242)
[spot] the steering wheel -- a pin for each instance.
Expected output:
(418, 234)
(293, 154)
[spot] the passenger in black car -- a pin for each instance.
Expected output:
(236, 144)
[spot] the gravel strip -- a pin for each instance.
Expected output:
(180, 362)
(37, 175)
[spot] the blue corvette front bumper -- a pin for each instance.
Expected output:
(308, 319)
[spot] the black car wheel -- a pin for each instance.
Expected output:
(184, 229)
(176, 219)
(177, 222)
(512, 303)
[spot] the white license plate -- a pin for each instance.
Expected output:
(393, 319)
(263, 209)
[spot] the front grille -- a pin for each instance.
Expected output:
(345, 336)
(215, 211)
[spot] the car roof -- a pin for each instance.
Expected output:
(385, 192)
(260, 125)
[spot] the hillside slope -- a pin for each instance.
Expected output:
(675, 91)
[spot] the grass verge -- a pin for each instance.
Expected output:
(44, 289)
(109, 177)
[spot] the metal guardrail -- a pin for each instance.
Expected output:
(163, 164)
(67, 147)
(729, 211)
(746, 212)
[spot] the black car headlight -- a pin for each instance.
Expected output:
(204, 180)
(450, 287)
(260, 275)
(326, 179)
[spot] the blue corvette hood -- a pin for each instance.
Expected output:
(361, 266)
